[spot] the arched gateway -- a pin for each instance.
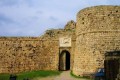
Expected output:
(64, 55)
(64, 60)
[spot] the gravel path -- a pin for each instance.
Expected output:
(63, 76)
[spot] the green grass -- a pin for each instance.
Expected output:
(83, 77)
(30, 75)
(4, 76)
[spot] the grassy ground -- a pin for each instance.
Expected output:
(30, 75)
(71, 73)
(4, 76)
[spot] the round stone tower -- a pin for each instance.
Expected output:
(97, 32)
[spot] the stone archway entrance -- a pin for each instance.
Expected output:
(64, 61)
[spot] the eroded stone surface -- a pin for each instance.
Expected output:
(18, 54)
(96, 32)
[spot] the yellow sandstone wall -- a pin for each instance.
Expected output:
(97, 32)
(18, 54)
(25, 54)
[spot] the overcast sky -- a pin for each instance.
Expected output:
(33, 17)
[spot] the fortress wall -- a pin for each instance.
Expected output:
(97, 32)
(25, 54)
(73, 53)
(20, 54)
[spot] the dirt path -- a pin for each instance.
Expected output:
(63, 76)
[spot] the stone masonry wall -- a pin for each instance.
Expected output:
(26, 54)
(97, 31)
(20, 54)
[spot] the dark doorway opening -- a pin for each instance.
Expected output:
(64, 61)
(111, 69)
(67, 61)
(111, 65)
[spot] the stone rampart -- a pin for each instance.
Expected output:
(97, 32)
(18, 54)
(26, 54)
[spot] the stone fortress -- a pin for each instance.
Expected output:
(80, 47)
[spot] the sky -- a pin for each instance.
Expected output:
(34, 17)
